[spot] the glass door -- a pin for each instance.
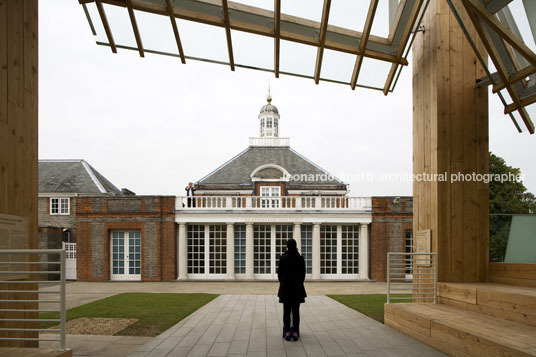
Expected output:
(125, 255)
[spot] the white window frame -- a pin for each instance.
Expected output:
(270, 191)
(60, 211)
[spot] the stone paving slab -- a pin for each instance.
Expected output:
(251, 325)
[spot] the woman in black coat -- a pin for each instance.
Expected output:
(291, 274)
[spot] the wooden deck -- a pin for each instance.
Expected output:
(472, 320)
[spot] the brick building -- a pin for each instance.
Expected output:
(391, 231)
(236, 225)
(126, 238)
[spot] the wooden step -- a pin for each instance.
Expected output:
(507, 302)
(460, 332)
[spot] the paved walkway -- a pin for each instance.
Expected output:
(250, 325)
(79, 293)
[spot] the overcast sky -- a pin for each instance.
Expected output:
(152, 124)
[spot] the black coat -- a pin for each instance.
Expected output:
(291, 275)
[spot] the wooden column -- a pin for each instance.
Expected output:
(450, 135)
(18, 135)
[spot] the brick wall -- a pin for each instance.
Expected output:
(152, 216)
(49, 238)
(45, 219)
(391, 218)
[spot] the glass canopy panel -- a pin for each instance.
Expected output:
(508, 29)
(201, 29)
(373, 73)
(203, 41)
(156, 32)
(337, 66)
(521, 22)
(253, 50)
(312, 11)
(297, 58)
(263, 4)
(380, 25)
(96, 22)
(120, 23)
(349, 14)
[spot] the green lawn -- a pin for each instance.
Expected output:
(369, 304)
(155, 312)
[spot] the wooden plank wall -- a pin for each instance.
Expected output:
(450, 135)
(513, 274)
(18, 125)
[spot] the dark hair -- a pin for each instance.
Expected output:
(292, 246)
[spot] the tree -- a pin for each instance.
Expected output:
(505, 198)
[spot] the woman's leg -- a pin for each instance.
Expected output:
(286, 315)
(296, 316)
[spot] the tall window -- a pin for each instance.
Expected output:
(59, 206)
(196, 249)
(282, 234)
(409, 249)
(307, 247)
(270, 191)
(328, 249)
(240, 249)
(350, 249)
(262, 249)
(218, 249)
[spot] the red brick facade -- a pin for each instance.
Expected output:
(391, 218)
(152, 216)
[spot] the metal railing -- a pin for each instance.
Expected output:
(21, 276)
(287, 203)
(268, 141)
(412, 277)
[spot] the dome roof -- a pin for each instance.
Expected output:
(269, 107)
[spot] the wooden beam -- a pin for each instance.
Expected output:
(390, 78)
(175, 29)
(106, 25)
(364, 39)
(524, 73)
(322, 39)
(228, 33)
(135, 27)
(277, 39)
(499, 64)
(403, 41)
(522, 103)
(505, 33)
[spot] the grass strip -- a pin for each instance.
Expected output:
(155, 312)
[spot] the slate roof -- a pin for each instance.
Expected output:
(236, 172)
(73, 176)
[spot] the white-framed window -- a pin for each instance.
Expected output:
(283, 232)
(196, 249)
(350, 249)
(307, 246)
(328, 249)
(240, 248)
(217, 249)
(270, 191)
(60, 206)
(262, 249)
